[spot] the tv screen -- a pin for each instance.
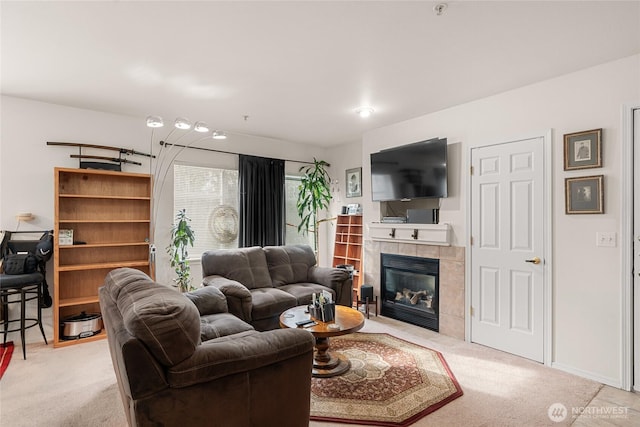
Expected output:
(412, 171)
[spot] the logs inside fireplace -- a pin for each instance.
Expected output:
(409, 289)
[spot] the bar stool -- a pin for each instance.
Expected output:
(21, 288)
(26, 287)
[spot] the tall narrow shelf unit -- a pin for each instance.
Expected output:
(348, 245)
(110, 215)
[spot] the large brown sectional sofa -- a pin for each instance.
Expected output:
(183, 360)
(261, 283)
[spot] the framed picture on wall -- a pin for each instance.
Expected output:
(584, 195)
(583, 150)
(354, 182)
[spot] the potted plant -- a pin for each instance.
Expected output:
(181, 237)
(314, 195)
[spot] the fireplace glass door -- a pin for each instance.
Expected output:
(411, 289)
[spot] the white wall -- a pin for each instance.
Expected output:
(342, 158)
(27, 163)
(586, 279)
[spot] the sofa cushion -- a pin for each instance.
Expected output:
(264, 358)
(269, 302)
(245, 265)
(303, 291)
(126, 280)
(166, 321)
(220, 325)
(208, 300)
(289, 264)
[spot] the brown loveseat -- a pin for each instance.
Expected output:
(182, 360)
(261, 283)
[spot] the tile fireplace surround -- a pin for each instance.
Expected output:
(452, 260)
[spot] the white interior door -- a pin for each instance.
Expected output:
(507, 251)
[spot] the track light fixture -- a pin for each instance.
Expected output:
(182, 123)
(201, 127)
(185, 124)
(154, 122)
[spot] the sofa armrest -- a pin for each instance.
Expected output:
(208, 300)
(242, 352)
(337, 279)
(238, 297)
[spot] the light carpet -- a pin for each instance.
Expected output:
(76, 386)
(391, 382)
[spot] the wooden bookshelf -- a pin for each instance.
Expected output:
(110, 215)
(348, 245)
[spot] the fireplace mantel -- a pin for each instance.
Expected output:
(421, 234)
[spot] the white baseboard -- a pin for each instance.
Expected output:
(613, 382)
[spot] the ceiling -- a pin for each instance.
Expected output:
(296, 71)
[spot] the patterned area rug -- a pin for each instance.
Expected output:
(391, 382)
(6, 350)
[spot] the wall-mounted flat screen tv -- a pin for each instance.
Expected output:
(412, 171)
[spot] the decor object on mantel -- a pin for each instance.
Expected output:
(181, 237)
(391, 382)
(314, 195)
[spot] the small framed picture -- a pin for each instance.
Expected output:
(584, 195)
(354, 182)
(65, 237)
(583, 150)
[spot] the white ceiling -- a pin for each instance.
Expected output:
(299, 69)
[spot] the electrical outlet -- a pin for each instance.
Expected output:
(606, 239)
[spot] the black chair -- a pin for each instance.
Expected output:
(21, 288)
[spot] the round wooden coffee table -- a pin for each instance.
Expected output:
(325, 363)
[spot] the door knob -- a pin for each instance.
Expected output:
(534, 260)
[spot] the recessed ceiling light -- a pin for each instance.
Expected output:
(364, 111)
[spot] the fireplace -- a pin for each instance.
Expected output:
(409, 289)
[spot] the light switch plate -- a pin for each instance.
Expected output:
(606, 239)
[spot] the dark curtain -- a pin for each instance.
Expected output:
(262, 204)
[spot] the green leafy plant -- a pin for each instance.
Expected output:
(181, 237)
(314, 195)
